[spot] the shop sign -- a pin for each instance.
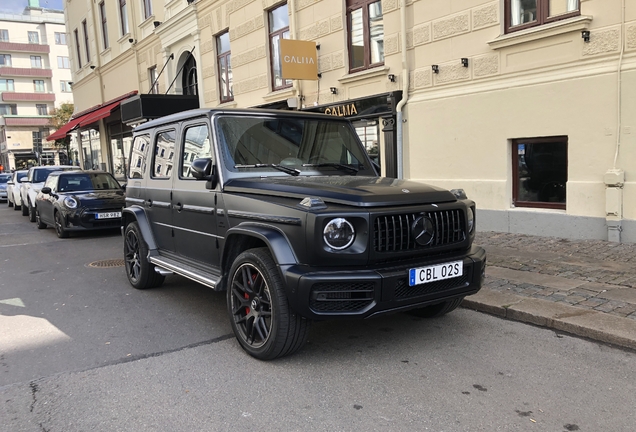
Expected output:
(299, 59)
(344, 110)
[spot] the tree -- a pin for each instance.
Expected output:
(59, 117)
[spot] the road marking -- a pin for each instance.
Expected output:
(14, 302)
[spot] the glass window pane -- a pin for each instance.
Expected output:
(560, 7)
(376, 32)
(165, 145)
(522, 11)
(224, 43)
(278, 18)
(357, 39)
(542, 172)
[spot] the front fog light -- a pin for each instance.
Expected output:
(339, 234)
(471, 219)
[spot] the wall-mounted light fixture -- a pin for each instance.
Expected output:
(435, 68)
(333, 90)
(391, 77)
(70, 83)
(131, 40)
(156, 23)
(464, 62)
(585, 34)
(318, 47)
(93, 66)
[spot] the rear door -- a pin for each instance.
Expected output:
(194, 207)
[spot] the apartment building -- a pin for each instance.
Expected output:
(35, 77)
(528, 105)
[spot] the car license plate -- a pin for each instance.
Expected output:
(108, 215)
(434, 273)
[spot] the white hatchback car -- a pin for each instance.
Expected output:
(13, 189)
(31, 185)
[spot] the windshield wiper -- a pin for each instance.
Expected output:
(282, 168)
(334, 165)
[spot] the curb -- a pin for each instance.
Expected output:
(577, 321)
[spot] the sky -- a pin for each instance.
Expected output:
(17, 6)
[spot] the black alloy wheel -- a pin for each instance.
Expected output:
(31, 211)
(38, 220)
(437, 310)
(59, 226)
(141, 273)
(260, 315)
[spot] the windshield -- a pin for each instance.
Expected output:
(272, 145)
(4, 178)
(86, 182)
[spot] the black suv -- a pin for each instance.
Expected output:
(286, 212)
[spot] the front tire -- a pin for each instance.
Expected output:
(60, 230)
(38, 220)
(25, 209)
(263, 323)
(31, 212)
(437, 310)
(141, 274)
(9, 202)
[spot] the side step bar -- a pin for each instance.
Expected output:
(166, 266)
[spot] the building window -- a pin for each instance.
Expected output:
(36, 62)
(102, 15)
(42, 109)
(147, 9)
(366, 34)
(8, 109)
(60, 38)
(38, 86)
(5, 59)
(521, 14)
(34, 37)
(77, 49)
(4, 35)
(540, 172)
(88, 53)
(152, 76)
(225, 66)
(278, 29)
(189, 79)
(65, 86)
(6, 85)
(123, 17)
(63, 62)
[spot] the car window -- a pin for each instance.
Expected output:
(164, 145)
(40, 175)
(196, 144)
(138, 156)
(4, 178)
(51, 181)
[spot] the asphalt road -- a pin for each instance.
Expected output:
(81, 350)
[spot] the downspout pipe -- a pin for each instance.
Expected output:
(405, 96)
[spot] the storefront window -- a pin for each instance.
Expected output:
(120, 142)
(368, 133)
(91, 149)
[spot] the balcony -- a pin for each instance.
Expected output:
(28, 97)
(24, 47)
(8, 71)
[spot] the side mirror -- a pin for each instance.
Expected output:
(46, 190)
(10, 183)
(123, 186)
(204, 169)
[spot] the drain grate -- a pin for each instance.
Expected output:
(107, 263)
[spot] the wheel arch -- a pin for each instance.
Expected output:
(137, 214)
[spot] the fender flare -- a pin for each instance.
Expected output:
(137, 214)
(274, 238)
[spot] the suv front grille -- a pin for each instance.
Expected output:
(341, 296)
(393, 233)
(404, 291)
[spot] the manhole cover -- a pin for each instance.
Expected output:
(107, 263)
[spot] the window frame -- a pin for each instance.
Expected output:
(515, 171)
(42, 107)
(60, 38)
(13, 108)
(543, 9)
(36, 62)
(63, 62)
(123, 17)
(78, 48)
(4, 35)
(9, 84)
(36, 37)
(353, 5)
(147, 9)
(86, 41)
(36, 85)
(5, 58)
(158, 164)
(271, 35)
(104, 25)
(65, 87)
(154, 82)
(226, 56)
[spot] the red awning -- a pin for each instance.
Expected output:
(99, 114)
(61, 132)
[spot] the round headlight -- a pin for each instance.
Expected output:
(339, 234)
(471, 220)
(70, 202)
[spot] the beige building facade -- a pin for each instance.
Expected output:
(528, 105)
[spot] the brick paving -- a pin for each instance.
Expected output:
(604, 269)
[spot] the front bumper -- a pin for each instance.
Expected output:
(3, 195)
(365, 292)
(85, 219)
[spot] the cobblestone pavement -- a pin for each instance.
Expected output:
(607, 271)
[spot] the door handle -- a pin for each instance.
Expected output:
(148, 203)
(178, 206)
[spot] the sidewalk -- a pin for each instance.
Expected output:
(582, 287)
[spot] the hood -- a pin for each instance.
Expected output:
(347, 190)
(100, 199)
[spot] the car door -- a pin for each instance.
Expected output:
(193, 204)
(45, 201)
(158, 192)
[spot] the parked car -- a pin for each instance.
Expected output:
(79, 201)
(286, 212)
(31, 185)
(4, 179)
(13, 189)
